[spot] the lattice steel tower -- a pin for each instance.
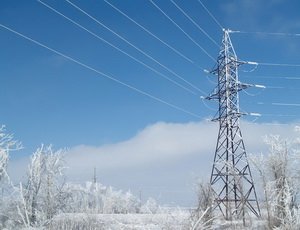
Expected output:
(231, 178)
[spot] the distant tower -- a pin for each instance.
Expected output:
(231, 178)
(95, 176)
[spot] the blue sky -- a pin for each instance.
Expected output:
(46, 98)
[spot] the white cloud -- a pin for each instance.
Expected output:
(162, 157)
(156, 142)
(163, 141)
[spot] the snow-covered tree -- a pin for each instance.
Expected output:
(119, 202)
(43, 194)
(202, 216)
(150, 207)
(279, 171)
(97, 198)
(87, 198)
(7, 144)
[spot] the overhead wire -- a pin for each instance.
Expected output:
(286, 104)
(182, 30)
(254, 120)
(134, 46)
(262, 63)
(263, 87)
(279, 104)
(156, 37)
(270, 64)
(275, 87)
(278, 64)
(279, 115)
(282, 87)
(211, 15)
(271, 114)
(180, 9)
(112, 78)
(279, 77)
(211, 81)
(275, 124)
(117, 48)
(196, 24)
(259, 116)
(203, 99)
(132, 87)
(251, 70)
(267, 33)
(252, 94)
(150, 33)
(266, 64)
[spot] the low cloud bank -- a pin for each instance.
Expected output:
(161, 157)
(163, 141)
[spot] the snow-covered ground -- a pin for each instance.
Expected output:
(177, 220)
(121, 221)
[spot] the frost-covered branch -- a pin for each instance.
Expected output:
(278, 170)
(7, 144)
(43, 193)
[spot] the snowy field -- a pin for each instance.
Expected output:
(120, 221)
(176, 220)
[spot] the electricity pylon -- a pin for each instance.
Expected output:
(231, 178)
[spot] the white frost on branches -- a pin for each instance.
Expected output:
(97, 198)
(7, 144)
(43, 194)
(279, 171)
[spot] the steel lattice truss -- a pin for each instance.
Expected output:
(231, 178)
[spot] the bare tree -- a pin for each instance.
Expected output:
(202, 216)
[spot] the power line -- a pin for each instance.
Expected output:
(112, 78)
(271, 115)
(279, 115)
(200, 28)
(278, 64)
(150, 33)
(120, 50)
(273, 124)
(282, 87)
(135, 47)
(271, 64)
(279, 77)
(267, 33)
(155, 36)
(286, 104)
(211, 15)
(258, 116)
(185, 33)
(279, 104)
(272, 87)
